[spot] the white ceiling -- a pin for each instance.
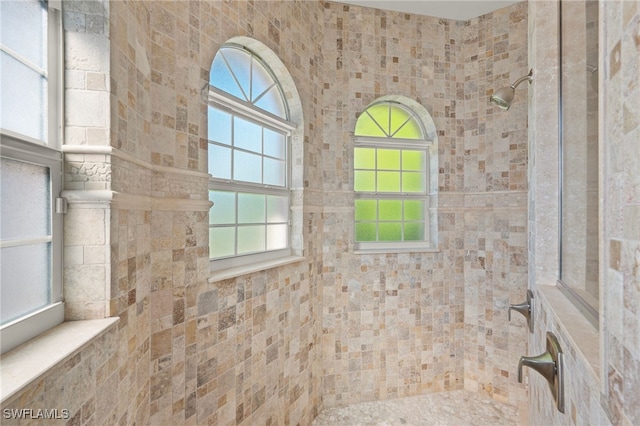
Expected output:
(450, 9)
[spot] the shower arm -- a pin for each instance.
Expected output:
(528, 77)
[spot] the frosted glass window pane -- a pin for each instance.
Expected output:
(411, 130)
(221, 78)
(366, 126)
(390, 232)
(366, 210)
(223, 211)
(365, 231)
(388, 159)
(413, 210)
(399, 117)
(23, 28)
(380, 114)
(412, 182)
(388, 181)
(25, 210)
(390, 209)
(274, 144)
(251, 239)
(219, 126)
(251, 208)
(274, 172)
(277, 209)
(23, 103)
(247, 135)
(220, 161)
(261, 80)
(272, 102)
(413, 160)
(247, 167)
(276, 237)
(364, 181)
(25, 276)
(364, 158)
(222, 242)
(240, 65)
(414, 231)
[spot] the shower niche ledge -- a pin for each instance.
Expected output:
(582, 335)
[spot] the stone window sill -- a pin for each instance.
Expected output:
(32, 360)
(248, 269)
(582, 334)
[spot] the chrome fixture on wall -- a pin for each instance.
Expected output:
(551, 366)
(526, 309)
(504, 96)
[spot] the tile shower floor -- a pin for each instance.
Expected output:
(455, 408)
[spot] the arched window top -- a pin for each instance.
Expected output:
(241, 74)
(389, 120)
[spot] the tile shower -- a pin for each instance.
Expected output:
(277, 347)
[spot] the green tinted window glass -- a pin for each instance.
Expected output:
(365, 231)
(410, 130)
(251, 239)
(388, 181)
(412, 182)
(388, 159)
(413, 210)
(390, 209)
(413, 160)
(364, 158)
(366, 126)
(399, 117)
(390, 232)
(380, 114)
(364, 181)
(366, 210)
(251, 208)
(222, 242)
(414, 231)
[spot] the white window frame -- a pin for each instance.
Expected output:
(19, 147)
(423, 145)
(227, 103)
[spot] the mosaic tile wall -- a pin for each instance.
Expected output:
(608, 392)
(403, 324)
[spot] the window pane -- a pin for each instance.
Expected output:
(240, 65)
(388, 181)
(25, 276)
(365, 231)
(399, 117)
(277, 209)
(223, 210)
(388, 159)
(364, 158)
(222, 242)
(25, 210)
(24, 99)
(390, 231)
(272, 102)
(390, 210)
(366, 210)
(220, 161)
(274, 144)
(411, 130)
(366, 126)
(251, 208)
(413, 210)
(221, 78)
(413, 182)
(413, 160)
(274, 172)
(247, 167)
(261, 80)
(414, 231)
(23, 28)
(251, 239)
(276, 237)
(380, 114)
(219, 126)
(247, 135)
(364, 181)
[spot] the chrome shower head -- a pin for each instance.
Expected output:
(504, 96)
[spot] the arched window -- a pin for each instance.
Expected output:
(391, 179)
(249, 160)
